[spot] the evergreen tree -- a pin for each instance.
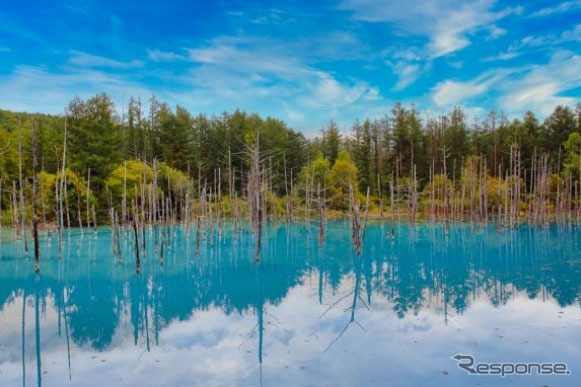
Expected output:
(93, 137)
(332, 141)
(176, 134)
(558, 127)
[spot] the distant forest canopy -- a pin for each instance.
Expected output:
(101, 138)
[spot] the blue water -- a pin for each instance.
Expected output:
(308, 314)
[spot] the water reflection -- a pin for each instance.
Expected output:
(87, 305)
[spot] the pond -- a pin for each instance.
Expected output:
(307, 314)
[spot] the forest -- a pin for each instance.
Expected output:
(94, 157)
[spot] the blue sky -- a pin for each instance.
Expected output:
(302, 61)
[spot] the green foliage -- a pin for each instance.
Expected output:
(343, 173)
(573, 155)
(176, 136)
(171, 179)
(214, 149)
(93, 138)
(331, 141)
(128, 176)
(559, 125)
(407, 138)
(316, 171)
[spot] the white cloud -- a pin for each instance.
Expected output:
(502, 56)
(573, 35)
(249, 56)
(157, 55)
(496, 32)
(452, 92)
(457, 64)
(372, 94)
(446, 23)
(540, 42)
(548, 40)
(541, 88)
(35, 89)
(254, 74)
(87, 60)
(407, 74)
(254, 68)
(328, 91)
(561, 8)
(538, 88)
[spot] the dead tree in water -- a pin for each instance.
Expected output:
(66, 196)
(413, 196)
(113, 229)
(87, 200)
(124, 202)
(34, 216)
(60, 189)
(2, 151)
(321, 210)
(287, 198)
(391, 191)
(432, 193)
(79, 215)
(499, 198)
(135, 237)
(22, 208)
(380, 197)
(445, 155)
(255, 201)
(357, 227)
(200, 217)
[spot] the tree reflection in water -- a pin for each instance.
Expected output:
(93, 295)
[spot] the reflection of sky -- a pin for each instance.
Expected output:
(213, 346)
(421, 300)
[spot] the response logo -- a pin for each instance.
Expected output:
(468, 364)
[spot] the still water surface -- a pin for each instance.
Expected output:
(306, 315)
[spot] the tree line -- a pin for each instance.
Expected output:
(421, 163)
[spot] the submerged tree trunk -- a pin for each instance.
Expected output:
(320, 207)
(391, 189)
(60, 190)
(255, 201)
(22, 207)
(88, 213)
(34, 215)
(136, 239)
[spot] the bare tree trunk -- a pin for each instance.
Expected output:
(380, 197)
(499, 205)
(136, 238)
(432, 193)
(94, 219)
(43, 199)
(88, 193)
(254, 195)
(320, 206)
(392, 205)
(66, 196)
(21, 188)
(15, 221)
(445, 155)
(34, 216)
(463, 199)
(79, 215)
(124, 202)
(61, 189)
(357, 229)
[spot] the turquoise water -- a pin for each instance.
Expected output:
(306, 315)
